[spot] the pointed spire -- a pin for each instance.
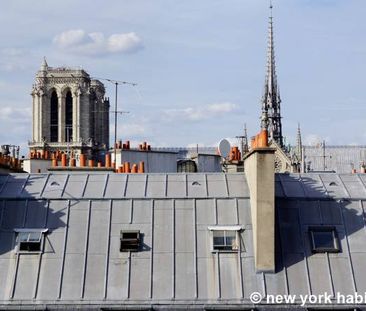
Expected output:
(44, 65)
(299, 143)
(245, 140)
(271, 115)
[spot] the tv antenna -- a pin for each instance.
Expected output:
(116, 111)
(243, 141)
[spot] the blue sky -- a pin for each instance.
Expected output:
(199, 65)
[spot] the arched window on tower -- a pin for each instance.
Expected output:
(54, 118)
(68, 117)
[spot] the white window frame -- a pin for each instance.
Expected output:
(20, 231)
(237, 229)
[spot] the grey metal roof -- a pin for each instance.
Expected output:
(340, 159)
(321, 199)
(82, 264)
(81, 185)
(321, 186)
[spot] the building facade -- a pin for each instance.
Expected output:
(70, 112)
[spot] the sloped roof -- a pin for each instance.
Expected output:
(321, 186)
(305, 200)
(340, 159)
(84, 213)
(109, 185)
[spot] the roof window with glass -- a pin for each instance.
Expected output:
(324, 239)
(225, 238)
(29, 240)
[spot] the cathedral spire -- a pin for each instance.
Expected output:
(271, 114)
(299, 142)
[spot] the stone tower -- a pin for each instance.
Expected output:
(271, 112)
(70, 112)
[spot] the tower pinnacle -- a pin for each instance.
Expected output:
(44, 65)
(271, 113)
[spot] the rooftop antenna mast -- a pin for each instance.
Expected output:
(116, 111)
(243, 141)
(324, 155)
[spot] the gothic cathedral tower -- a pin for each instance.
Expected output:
(70, 113)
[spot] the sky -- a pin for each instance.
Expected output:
(199, 65)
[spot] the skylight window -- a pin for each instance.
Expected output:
(30, 240)
(130, 240)
(324, 239)
(225, 238)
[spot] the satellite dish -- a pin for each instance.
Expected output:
(224, 148)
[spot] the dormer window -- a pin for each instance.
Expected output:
(324, 239)
(29, 240)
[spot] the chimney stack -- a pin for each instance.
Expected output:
(259, 171)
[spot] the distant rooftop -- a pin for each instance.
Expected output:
(60, 71)
(341, 159)
(186, 152)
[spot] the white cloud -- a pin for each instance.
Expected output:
(79, 41)
(127, 130)
(312, 140)
(124, 42)
(12, 51)
(71, 38)
(221, 107)
(11, 113)
(14, 59)
(200, 113)
(14, 123)
(316, 140)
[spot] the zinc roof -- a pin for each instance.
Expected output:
(82, 266)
